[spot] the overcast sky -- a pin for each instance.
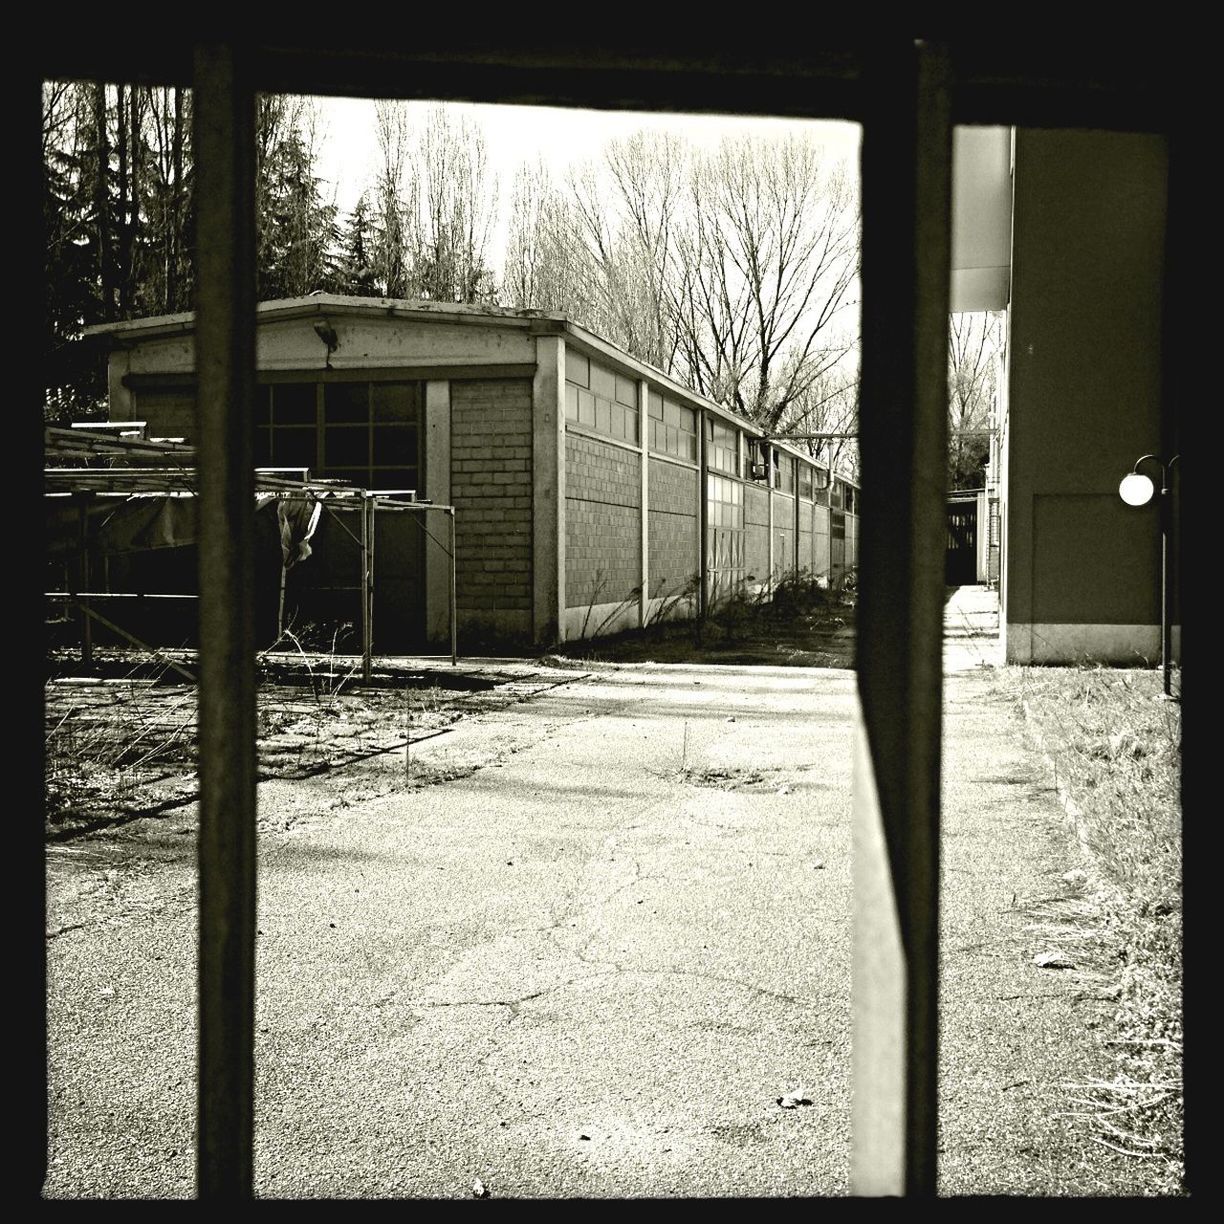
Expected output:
(517, 134)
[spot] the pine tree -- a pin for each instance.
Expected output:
(355, 272)
(296, 228)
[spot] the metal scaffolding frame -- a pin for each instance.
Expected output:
(172, 472)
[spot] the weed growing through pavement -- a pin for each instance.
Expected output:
(101, 749)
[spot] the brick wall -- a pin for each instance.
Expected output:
(673, 527)
(491, 493)
(756, 532)
(603, 499)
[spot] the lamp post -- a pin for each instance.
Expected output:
(1137, 489)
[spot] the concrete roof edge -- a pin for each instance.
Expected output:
(606, 348)
(333, 303)
(426, 311)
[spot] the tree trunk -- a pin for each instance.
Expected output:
(102, 205)
(174, 228)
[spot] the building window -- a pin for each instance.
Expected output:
(600, 399)
(722, 447)
(673, 428)
(837, 498)
(805, 481)
(782, 475)
(724, 534)
(820, 486)
(366, 433)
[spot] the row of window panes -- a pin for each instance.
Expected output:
(722, 447)
(583, 372)
(725, 552)
(600, 398)
(600, 414)
(371, 446)
(343, 453)
(310, 403)
(783, 476)
(726, 502)
(367, 433)
(673, 428)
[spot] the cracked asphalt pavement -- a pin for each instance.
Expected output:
(588, 963)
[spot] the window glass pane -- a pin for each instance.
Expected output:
(395, 478)
(577, 368)
(656, 405)
(346, 445)
(263, 447)
(603, 382)
(395, 401)
(346, 402)
(395, 444)
(263, 405)
(586, 408)
(626, 392)
(571, 402)
(293, 448)
(293, 403)
(603, 415)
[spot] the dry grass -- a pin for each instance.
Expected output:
(1116, 748)
(104, 743)
(803, 625)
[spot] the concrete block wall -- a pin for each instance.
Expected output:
(603, 500)
(820, 543)
(756, 535)
(784, 535)
(491, 484)
(673, 527)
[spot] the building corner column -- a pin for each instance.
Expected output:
(436, 472)
(643, 394)
(548, 497)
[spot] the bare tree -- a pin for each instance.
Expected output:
(167, 274)
(296, 226)
(390, 257)
(773, 260)
(455, 204)
(548, 265)
(829, 404)
(635, 241)
(733, 270)
(974, 342)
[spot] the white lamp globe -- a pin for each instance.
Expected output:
(1136, 489)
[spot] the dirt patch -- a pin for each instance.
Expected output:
(121, 747)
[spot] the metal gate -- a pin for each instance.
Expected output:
(960, 559)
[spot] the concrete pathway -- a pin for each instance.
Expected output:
(971, 629)
(588, 965)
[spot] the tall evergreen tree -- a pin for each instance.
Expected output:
(355, 271)
(297, 230)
